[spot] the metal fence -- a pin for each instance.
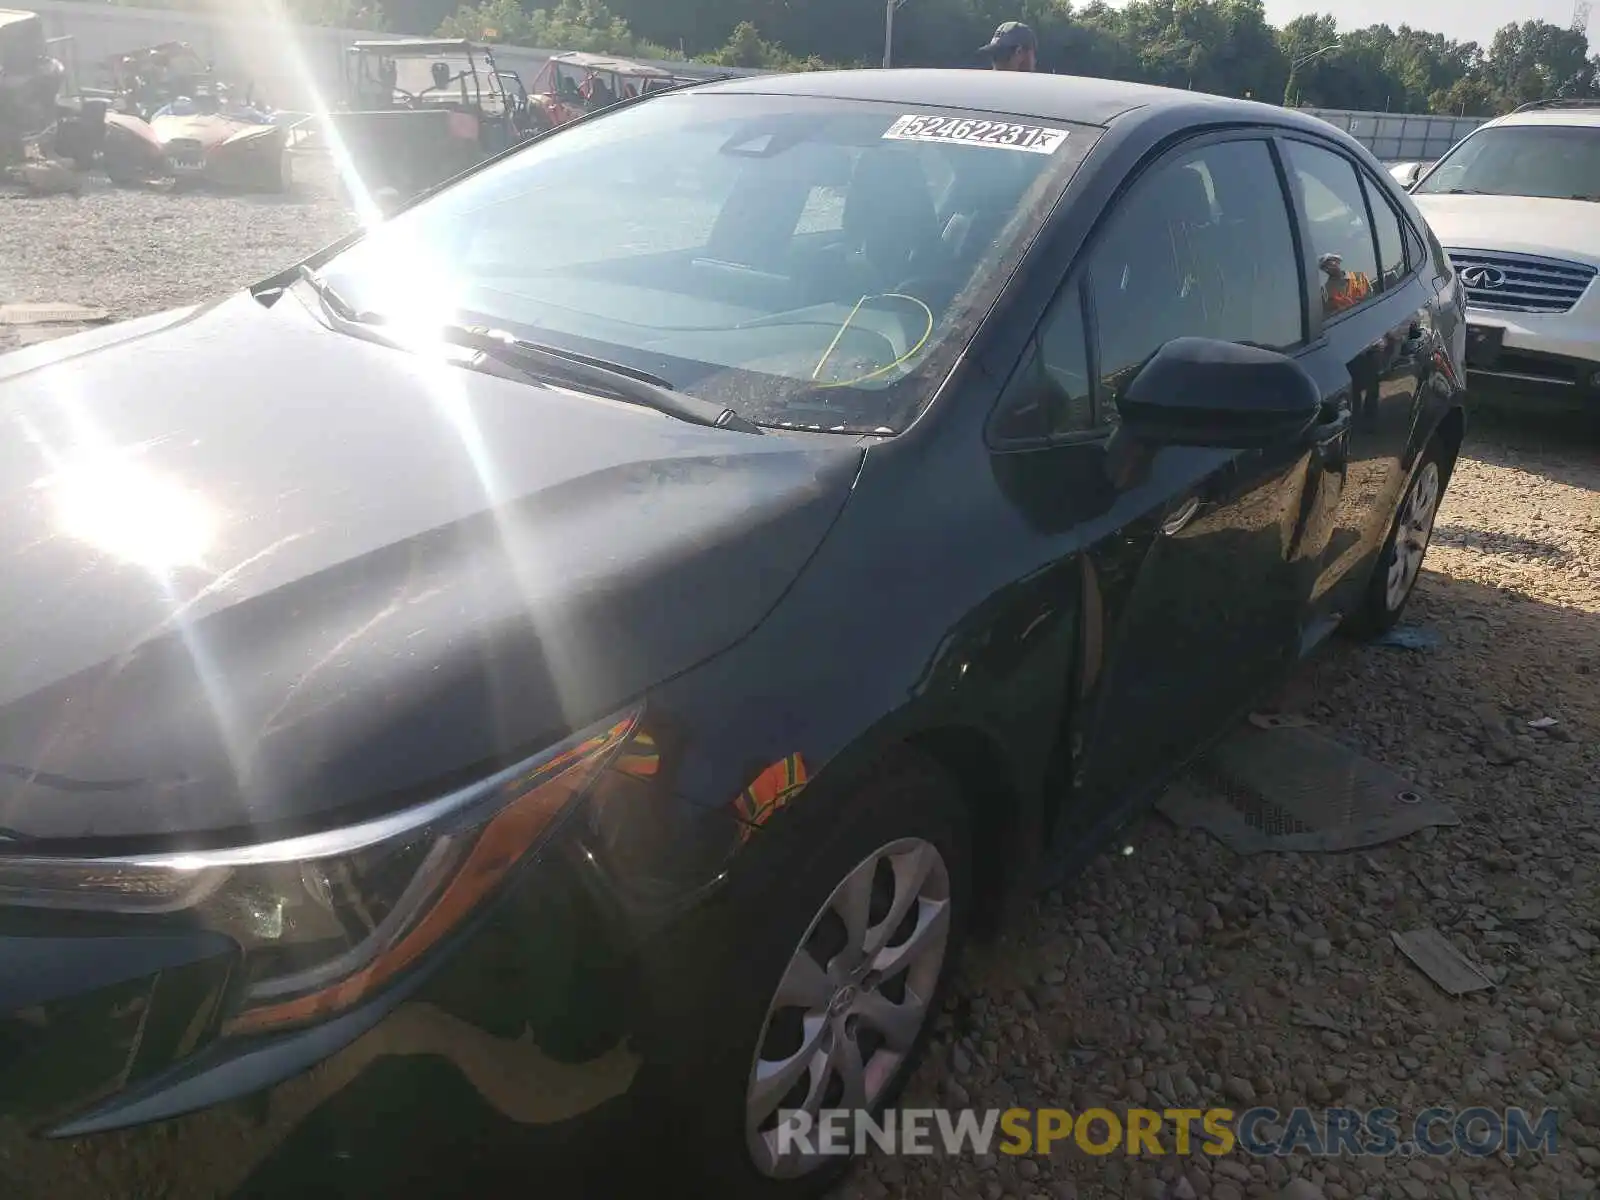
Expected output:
(1398, 137)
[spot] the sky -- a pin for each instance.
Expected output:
(1464, 20)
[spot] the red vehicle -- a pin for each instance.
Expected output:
(174, 119)
(570, 85)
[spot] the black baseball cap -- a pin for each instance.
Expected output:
(1010, 37)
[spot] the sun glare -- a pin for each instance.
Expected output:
(129, 512)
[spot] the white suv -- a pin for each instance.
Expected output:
(1516, 204)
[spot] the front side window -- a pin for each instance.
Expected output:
(1556, 162)
(1201, 247)
(1050, 395)
(1342, 245)
(804, 260)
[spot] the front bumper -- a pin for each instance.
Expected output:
(513, 1058)
(1543, 362)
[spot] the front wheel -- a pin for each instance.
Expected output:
(1399, 566)
(825, 989)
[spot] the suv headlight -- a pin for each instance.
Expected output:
(326, 919)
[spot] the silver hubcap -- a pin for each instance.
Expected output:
(853, 999)
(1411, 536)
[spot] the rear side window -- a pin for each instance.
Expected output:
(1201, 247)
(1341, 241)
(1391, 241)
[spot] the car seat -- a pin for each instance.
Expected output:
(889, 220)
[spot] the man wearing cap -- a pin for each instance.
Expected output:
(1013, 48)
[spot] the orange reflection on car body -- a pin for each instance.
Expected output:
(769, 792)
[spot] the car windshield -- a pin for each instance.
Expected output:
(809, 262)
(1559, 162)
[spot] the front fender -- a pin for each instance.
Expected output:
(746, 758)
(133, 142)
(260, 139)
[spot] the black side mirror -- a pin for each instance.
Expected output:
(1200, 392)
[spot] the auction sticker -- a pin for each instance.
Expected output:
(1005, 135)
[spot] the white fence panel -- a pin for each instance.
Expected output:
(1400, 137)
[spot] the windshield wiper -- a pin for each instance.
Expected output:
(553, 364)
(337, 304)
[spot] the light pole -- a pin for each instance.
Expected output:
(888, 29)
(1294, 69)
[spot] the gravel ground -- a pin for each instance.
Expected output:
(132, 252)
(1176, 974)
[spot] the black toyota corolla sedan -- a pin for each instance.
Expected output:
(550, 680)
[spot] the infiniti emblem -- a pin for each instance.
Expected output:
(1489, 278)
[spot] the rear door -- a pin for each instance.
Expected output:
(1372, 315)
(1192, 589)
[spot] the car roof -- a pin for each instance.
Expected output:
(1077, 98)
(1575, 115)
(601, 62)
(419, 46)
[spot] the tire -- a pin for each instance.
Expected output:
(908, 821)
(1399, 566)
(121, 172)
(280, 181)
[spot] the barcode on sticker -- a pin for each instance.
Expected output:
(1004, 135)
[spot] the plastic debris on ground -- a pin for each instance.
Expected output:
(1409, 637)
(51, 312)
(1286, 788)
(1441, 962)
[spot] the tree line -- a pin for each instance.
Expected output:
(1222, 46)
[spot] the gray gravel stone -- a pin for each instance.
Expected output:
(135, 252)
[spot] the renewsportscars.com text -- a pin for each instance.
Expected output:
(1259, 1132)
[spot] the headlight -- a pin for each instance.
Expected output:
(324, 920)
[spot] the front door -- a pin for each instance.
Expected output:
(1192, 591)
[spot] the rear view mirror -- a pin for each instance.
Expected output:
(1200, 392)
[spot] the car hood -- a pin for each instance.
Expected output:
(209, 129)
(259, 574)
(1567, 229)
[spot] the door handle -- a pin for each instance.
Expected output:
(1330, 435)
(1180, 516)
(1331, 424)
(1333, 418)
